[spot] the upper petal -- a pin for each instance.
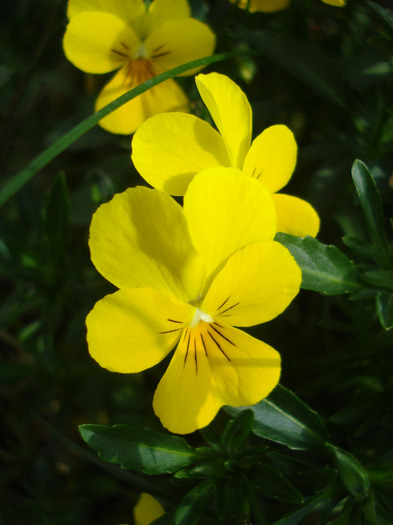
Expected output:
(256, 284)
(231, 112)
(214, 365)
(168, 150)
(98, 42)
(272, 157)
(125, 10)
(227, 210)
(134, 329)
(167, 96)
(179, 41)
(295, 216)
(140, 238)
(161, 11)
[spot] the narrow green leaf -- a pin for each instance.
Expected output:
(379, 279)
(351, 471)
(370, 201)
(236, 430)
(138, 449)
(384, 307)
(273, 484)
(325, 269)
(26, 174)
(285, 419)
(190, 508)
(305, 62)
(297, 516)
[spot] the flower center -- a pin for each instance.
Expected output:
(200, 316)
(138, 71)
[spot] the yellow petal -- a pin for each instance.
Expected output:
(147, 510)
(272, 157)
(169, 149)
(295, 216)
(140, 238)
(126, 11)
(98, 42)
(134, 329)
(177, 42)
(161, 11)
(227, 210)
(167, 96)
(263, 6)
(256, 284)
(231, 112)
(214, 365)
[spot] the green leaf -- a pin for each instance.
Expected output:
(351, 471)
(190, 508)
(285, 419)
(370, 201)
(305, 62)
(23, 176)
(296, 517)
(273, 484)
(384, 307)
(325, 269)
(138, 449)
(379, 279)
(236, 431)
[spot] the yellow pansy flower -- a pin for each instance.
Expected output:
(187, 277)
(147, 510)
(105, 35)
(168, 150)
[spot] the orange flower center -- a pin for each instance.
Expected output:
(138, 71)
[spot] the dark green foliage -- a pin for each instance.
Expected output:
(319, 449)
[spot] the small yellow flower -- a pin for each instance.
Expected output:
(187, 277)
(263, 6)
(105, 35)
(335, 3)
(147, 510)
(270, 6)
(169, 149)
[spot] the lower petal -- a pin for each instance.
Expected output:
(134, 329)
(295, 216)
(167, 96)
(214, 365)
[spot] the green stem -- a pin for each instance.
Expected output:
(25, 175)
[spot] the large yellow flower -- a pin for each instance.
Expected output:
(169, 149)
(187, 276)
(105, 35)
